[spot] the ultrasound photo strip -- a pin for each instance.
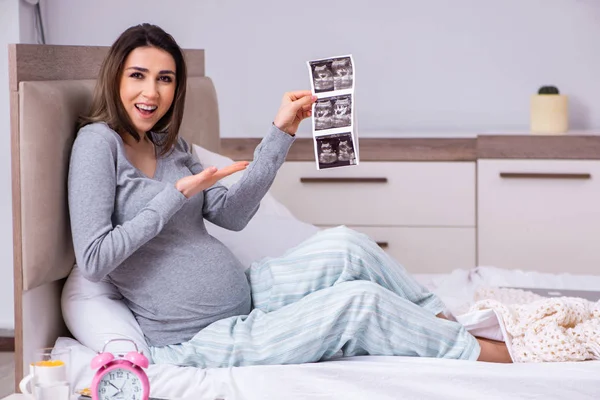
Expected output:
(337, 150)
(332, 74)
(333, 112)
(333, 81)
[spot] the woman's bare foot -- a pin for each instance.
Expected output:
(493, 351)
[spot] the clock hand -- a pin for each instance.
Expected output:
(119, 391)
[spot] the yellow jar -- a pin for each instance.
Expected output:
(549, 114)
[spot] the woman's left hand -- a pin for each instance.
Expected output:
(295, 106)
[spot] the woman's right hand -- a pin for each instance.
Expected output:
(194, 184)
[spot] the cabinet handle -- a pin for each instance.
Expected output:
(383, 245)
(343, 180)
(544, 175)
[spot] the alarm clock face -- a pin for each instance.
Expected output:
(120, 384)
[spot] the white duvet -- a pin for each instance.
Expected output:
(388, 377)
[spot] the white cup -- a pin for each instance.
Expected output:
(58, 390)
(49, 373)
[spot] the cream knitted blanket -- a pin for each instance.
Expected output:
(545, 329)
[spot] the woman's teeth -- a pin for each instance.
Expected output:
(145, 108)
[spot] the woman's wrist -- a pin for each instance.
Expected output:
(282, 129)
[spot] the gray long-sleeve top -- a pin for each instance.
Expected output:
(151, 242)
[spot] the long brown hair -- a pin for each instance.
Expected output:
(106, 104)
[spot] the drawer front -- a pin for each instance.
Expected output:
(426, 250)
(539, 215)
(380, 193)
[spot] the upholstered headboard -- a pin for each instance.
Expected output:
(50, 86)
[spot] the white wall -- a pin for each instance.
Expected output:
(9, 33)
(422, 66)
(17, 26)
(27, 25)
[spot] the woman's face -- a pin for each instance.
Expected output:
(147, 86)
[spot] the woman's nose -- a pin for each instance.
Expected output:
(150, 90)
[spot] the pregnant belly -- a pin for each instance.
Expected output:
(189, 282)
(203, 292)
(186, 308)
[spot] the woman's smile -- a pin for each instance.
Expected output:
(146, 110)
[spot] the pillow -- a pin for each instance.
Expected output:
(95, 312)
(271, 231)
(264, 236)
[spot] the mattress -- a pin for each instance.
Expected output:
(371, 377)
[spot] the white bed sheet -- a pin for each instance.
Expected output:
(387, 377)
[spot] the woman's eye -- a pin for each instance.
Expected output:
(136, 75)
(166, 78)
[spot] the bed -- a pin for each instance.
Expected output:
(49, 87)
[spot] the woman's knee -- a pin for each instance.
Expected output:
(344, 231)
(347, 238)
(361, 289)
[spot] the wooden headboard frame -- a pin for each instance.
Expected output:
(30, 63)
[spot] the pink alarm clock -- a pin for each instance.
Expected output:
(120, 377)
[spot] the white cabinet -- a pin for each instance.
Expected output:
(510, 201)
(539, 214)
(422, 213)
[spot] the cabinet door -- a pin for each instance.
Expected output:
(539, 215)
(380, 193)
(426, 250)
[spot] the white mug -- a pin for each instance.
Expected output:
(48, 373)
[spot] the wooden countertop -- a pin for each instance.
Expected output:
(566, 147)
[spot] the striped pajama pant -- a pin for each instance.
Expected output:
(336, 291)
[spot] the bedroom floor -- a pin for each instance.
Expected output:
(7, 374)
